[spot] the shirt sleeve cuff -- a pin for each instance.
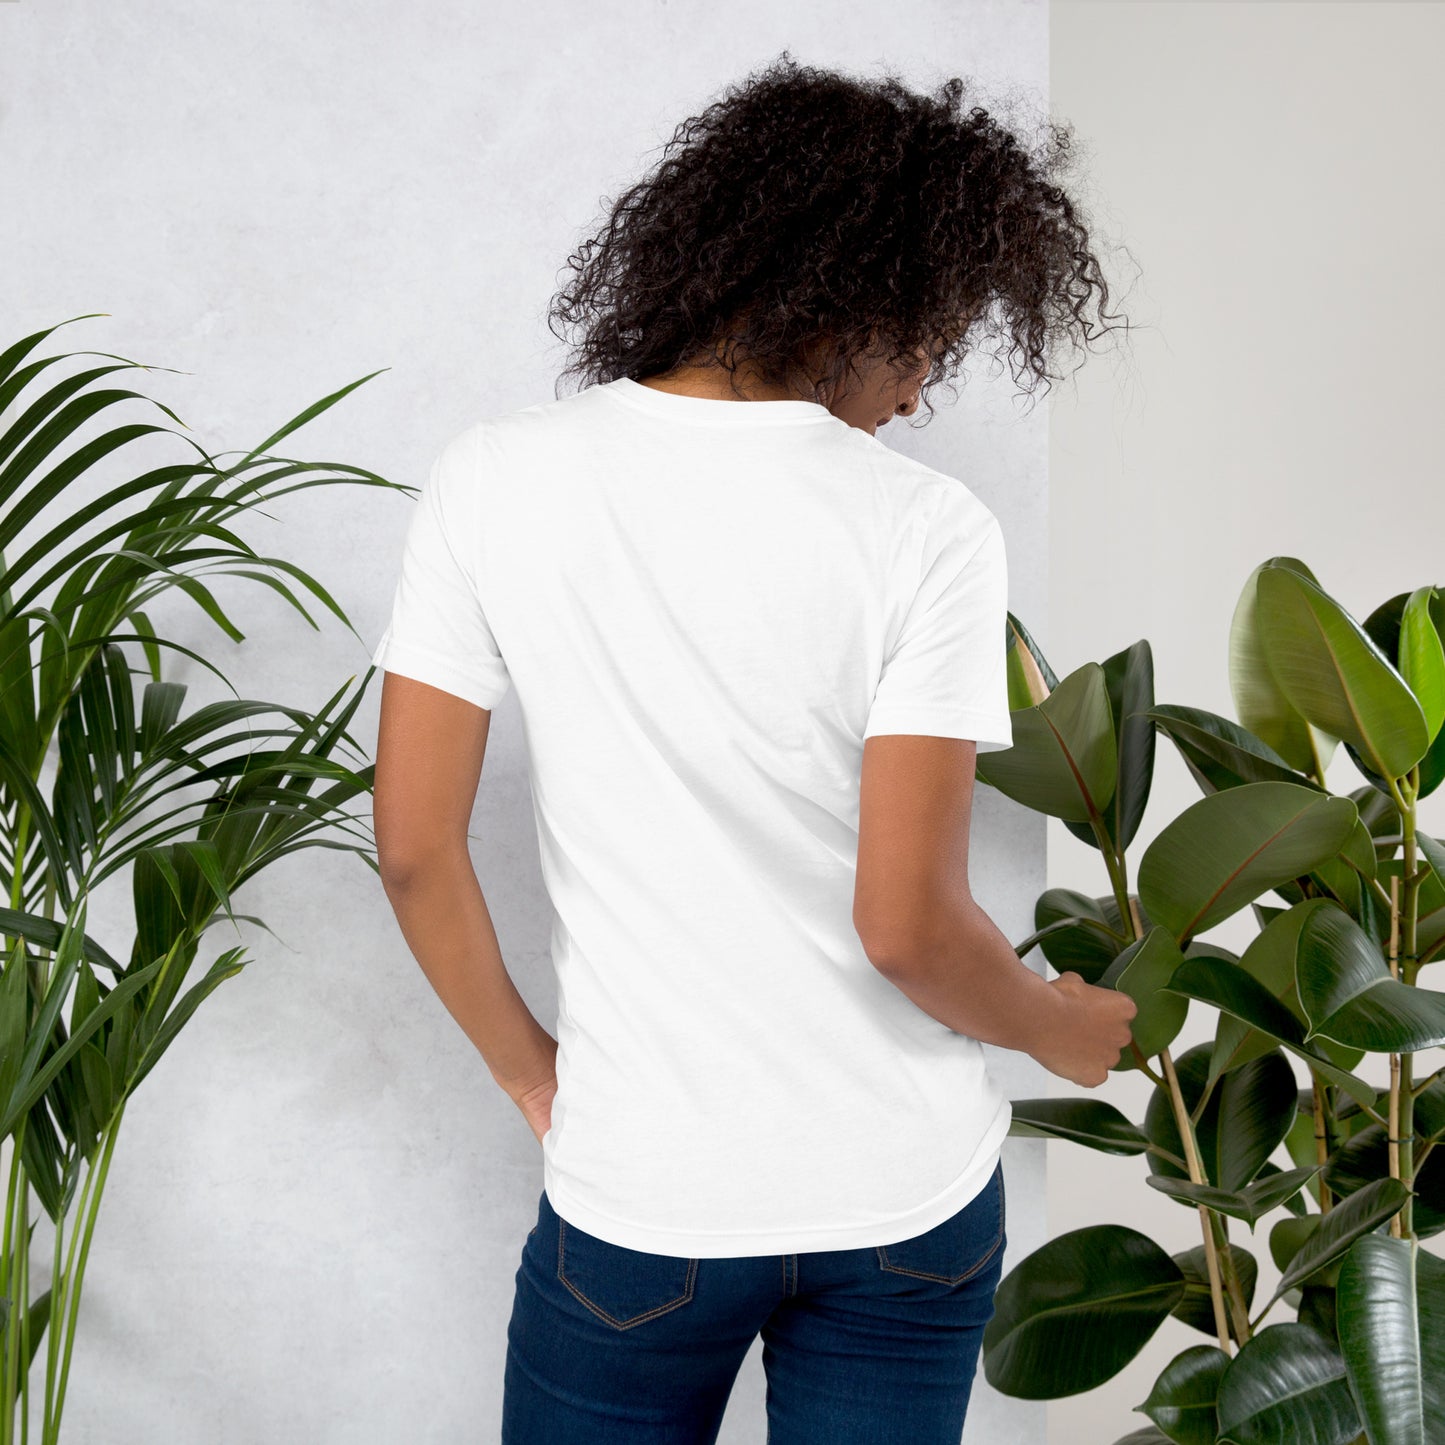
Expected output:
(407, 660)
(990, 731)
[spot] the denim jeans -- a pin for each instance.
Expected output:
(614, 1346)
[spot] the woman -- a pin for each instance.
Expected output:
(755, 653)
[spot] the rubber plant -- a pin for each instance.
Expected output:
(1348, 895)
(194, 804)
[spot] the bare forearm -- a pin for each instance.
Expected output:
(967, 975)
(445, 921)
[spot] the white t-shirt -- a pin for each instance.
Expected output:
(705, 606)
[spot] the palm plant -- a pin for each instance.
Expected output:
(1332, 977)
(194, 804)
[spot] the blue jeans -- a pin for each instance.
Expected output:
(614, 1346)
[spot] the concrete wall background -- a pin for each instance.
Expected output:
(1273, 169)
(318, 1198)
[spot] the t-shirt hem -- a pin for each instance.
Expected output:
(720, 1244)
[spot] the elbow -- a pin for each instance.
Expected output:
(911, 945)
(895, 949)
(403, 869)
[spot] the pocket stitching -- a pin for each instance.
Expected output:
(602, 1313)
(951, 1278)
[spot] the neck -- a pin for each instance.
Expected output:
(715, 382)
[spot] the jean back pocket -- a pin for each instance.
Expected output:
(623, 1287)
(958, 1248)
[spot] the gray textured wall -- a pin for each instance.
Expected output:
(318, 1199)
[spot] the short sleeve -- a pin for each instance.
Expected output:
(438, 632)
(947, 675)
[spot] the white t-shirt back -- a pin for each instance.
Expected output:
(705, 607)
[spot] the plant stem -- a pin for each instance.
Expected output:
(1115, 866)
(1404, 913)
(1142, 1064)
(15, 1198)
(1196, 1174)
(1322, 1143)
(23, 1252)
(1238, 1309)
(96, 1176)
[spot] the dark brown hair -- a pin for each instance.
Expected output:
(806, 205)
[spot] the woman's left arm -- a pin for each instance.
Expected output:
(430, 747)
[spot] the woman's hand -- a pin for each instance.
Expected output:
(536, 1105)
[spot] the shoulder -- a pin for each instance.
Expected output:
(937, 495)
(949, 515)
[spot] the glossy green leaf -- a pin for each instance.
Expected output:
(1286, 1384)
(1196, 1309)
(1356, 1215)
(1225, 850)
(1365, 1157)
(1260, 703)
(1391, 1313)
(1064, 757)
(1422, 657)
(1077, 1310)
(1076, 933)
(1332, 673)
(1030, 678)
(1129, 680)
(1084, 1121)
(1250, 1204)
(1248, 1113)
(1349, 994)
(1143, 971)
(1270, 961)
(1385, 626)
(1182, 1402)
(1430, 1112)
(1229, 988)
(1219, 752)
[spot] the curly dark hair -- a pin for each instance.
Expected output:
(807, 218)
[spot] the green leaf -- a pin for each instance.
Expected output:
(1391, 1313)
(1077, 1310)
(1230, 988)
(1064, 757)
(1085, 1121)
(1225, 850)
(1246, 1117)
(1350, 996)
(1270, 961)
(1182, 1402)
(1357, 1214)
(1129, 680)
(1196, 1309)
(1143, 971)
(1365, 1157)
(1030, 678)
(1333, 674)
(1262, 707)
(29, 1089)
(226, 966)
(45, 932)
(1076, 933)
(301, 418)
(1287, 1383)
(1220, 753)
(1250, 1204)
(1422, 658)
